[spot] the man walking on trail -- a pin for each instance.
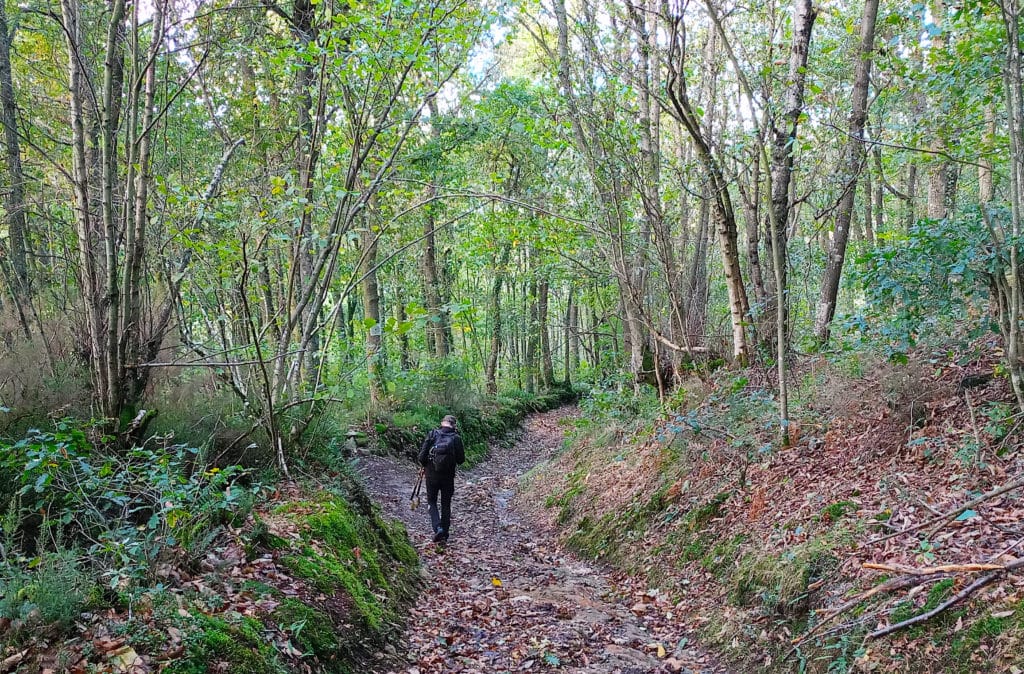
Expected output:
(441, 452)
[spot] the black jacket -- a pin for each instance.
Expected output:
(428, 443)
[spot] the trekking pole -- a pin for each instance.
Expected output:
(414, 499)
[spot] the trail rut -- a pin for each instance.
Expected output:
(504, 596)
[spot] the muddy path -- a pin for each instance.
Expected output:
(504, 596)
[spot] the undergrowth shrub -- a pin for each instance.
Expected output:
(54, 589)
(918, 285)
(438, 382)
(613, 400)
(126, 507)
(194, 407)
(34, 387)
(780, 583)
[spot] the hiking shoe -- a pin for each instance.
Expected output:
(440, 535)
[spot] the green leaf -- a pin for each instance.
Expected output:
(42, 481)
(966, 515)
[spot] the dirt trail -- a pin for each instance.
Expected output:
(503, 596)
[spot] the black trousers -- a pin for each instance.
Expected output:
(442, 519)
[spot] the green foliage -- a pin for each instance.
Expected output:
(720, 558)
(779, 583)
(836, 511)
(687, 535)
(916, 284)
(53, 588)
(1000, 418)
(614, 401)
(981, 631)
(403, 431)
(130, 505)
(574, 487)
(437, 383)
(311, 629)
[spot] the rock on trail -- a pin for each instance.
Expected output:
(504, 596)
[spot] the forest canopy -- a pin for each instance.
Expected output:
(285, 207)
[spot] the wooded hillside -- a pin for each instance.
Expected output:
(240, 240)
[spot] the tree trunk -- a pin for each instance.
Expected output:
(437, 337)
(532, 337)
(404, 358)
(547, 369)
(722, 213)
(697, 286)
(910, 217)
(1014, 88)
(491, 367)
(986, 185)
(942, 174)
(938, 176)
(131, 348)
(371, 312)
(868, 192)
(605, 171)
(751, 221)
(782, 206)
(572, 336)
(17, 227)
(784, 142)
(83, 207)
(878, 197)
(853, 163)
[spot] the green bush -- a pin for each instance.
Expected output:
(129, 505)
(919, 283)
(55, 590)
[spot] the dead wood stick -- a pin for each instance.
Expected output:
(863, 619)
(974, 421)
(950, 514)
(13, 660)
(930, 570)
(1009, 549)
(958, 597)
(888, 586)
(928, 505)
(998, 491)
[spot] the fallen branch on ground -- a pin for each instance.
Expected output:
(911, 577)
(943, 519)
(931, 570)
(958, 597)
(888, 586)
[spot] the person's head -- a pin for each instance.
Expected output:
(448, 421)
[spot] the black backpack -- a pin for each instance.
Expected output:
(442, 454)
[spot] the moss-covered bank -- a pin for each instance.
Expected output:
(320, 584)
